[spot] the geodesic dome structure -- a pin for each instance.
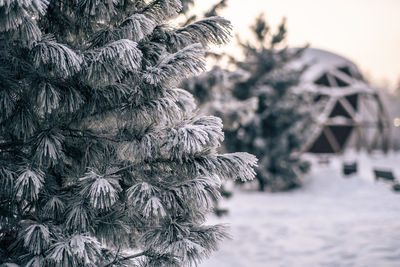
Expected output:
(352, 111)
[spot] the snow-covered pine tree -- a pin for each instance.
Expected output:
(100, 153)
(282, 119)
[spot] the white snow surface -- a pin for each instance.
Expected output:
(330, 221)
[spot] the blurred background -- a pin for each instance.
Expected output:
(312, 88)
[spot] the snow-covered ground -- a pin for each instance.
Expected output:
(331, 221)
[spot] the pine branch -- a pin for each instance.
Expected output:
(109, 64)
(175, 67)
(135, 28)
(125, 258)
(161, 10)
(57, 58)
(215, 30)
(13, 13)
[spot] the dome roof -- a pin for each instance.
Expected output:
(324, 58)
(326, 72)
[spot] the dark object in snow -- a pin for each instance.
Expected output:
(225, 193)
(396, 187)
(221, 212)
(349, 168)
(384, 175)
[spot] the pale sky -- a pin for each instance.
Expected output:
(364, 31)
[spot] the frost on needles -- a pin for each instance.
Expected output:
(103, 161)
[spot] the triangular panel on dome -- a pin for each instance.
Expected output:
(323, 80)
(321, 145)
(340, 82)
(320, 97)
(346, 70)
(341, 134)
(353, 101)
(339, 111)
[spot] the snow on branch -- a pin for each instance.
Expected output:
(187, 243)
(141, 192)
(201, 193)
(179, 98)
(215, 30)
(54, 208)
(80, 249)
(29, 33)
(136, 27)
(48, 147)
(173, 68)
(161, 10)
(154, 207)
(108, 64)
(163, 111)
(14, 12)
(187, 250)
(228, 166)
(145, 198)
(79, 218)
(47, 98)
(200, 136)
(208, 237)
(101, 10)
(35, 237)
(101, 190)
(185, 100)
(159, 240)
(60, 60)
(28, 184)
(138, 109)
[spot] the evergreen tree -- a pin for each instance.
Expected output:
(282, 119)
(99, 151)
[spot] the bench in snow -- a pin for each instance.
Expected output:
(384, 175)
(349, 168)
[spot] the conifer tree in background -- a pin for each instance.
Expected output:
(99, 151)
(213, 92)
(281, 122)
